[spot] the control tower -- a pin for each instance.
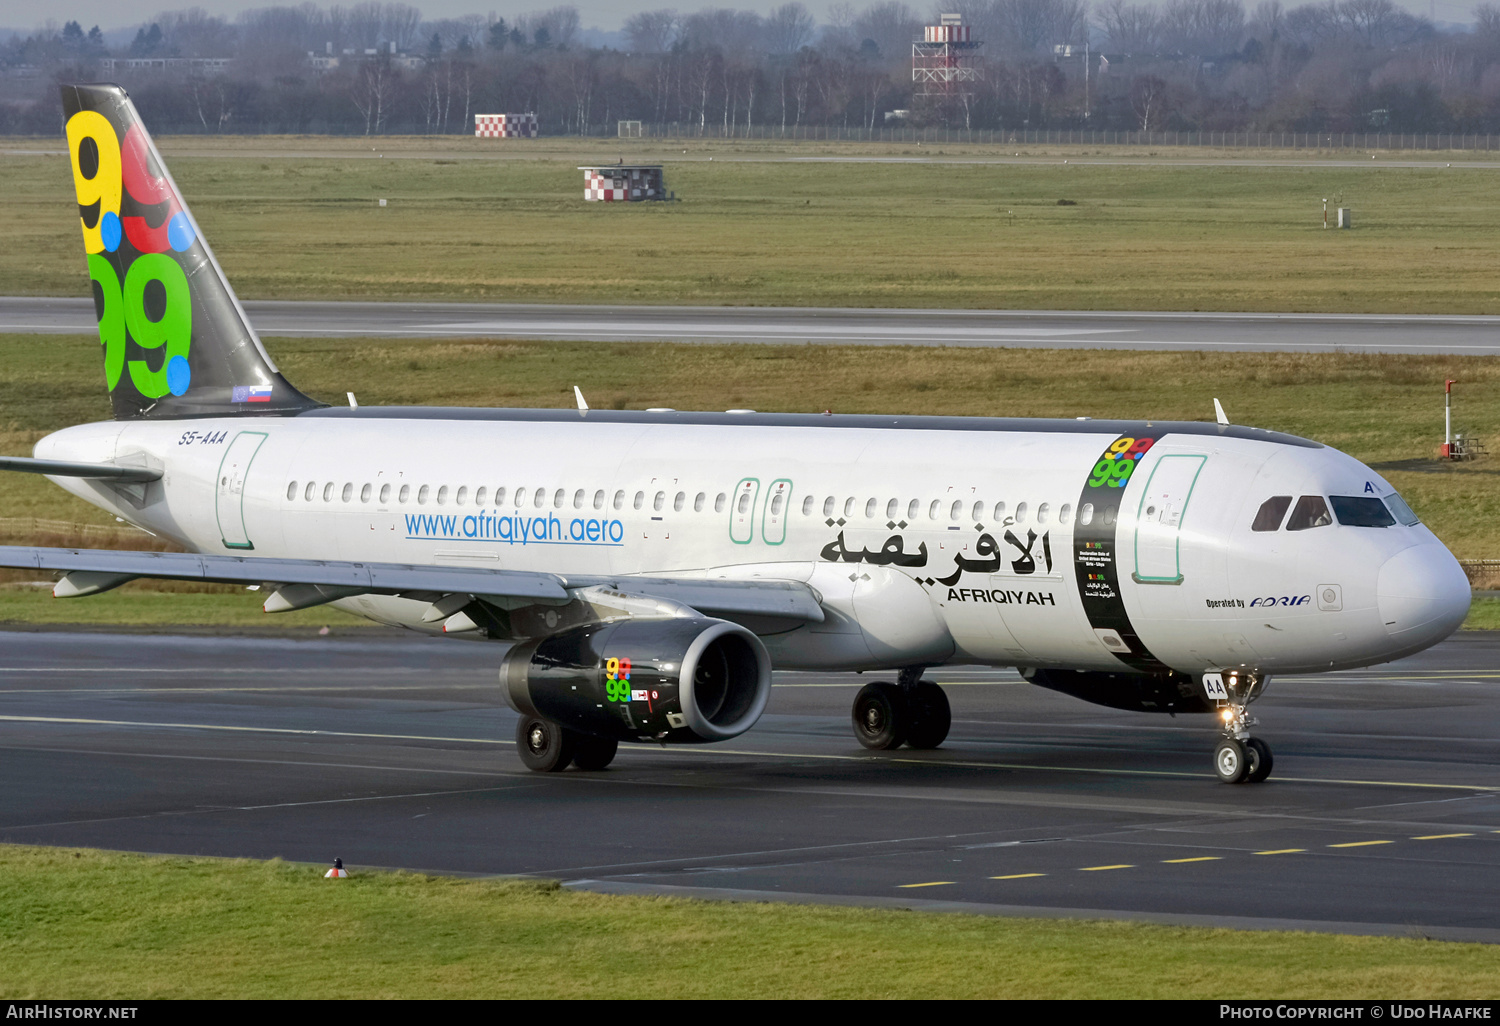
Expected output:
(944, 62)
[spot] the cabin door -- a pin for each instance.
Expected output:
(1159, 518)
(229, 489)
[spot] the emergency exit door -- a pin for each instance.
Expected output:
(229, 488)
(1159, 518)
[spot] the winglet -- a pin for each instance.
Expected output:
(1219, 412)
(578, 394)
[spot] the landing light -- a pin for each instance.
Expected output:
(1226, 715)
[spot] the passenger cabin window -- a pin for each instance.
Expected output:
(619, 502)
(311, 490)
(1043, 512)
(1401, 510)
(520, 497)
(719, 501)
(1310, 511)
(385, 493)
(744, 503)
(640, 500)
(364, 493)
(932, 511)
(849, 507)
(422, 494)
(461, 496)
(807, 503)
(599, 499)
(328, 492)
(1268, 517)
(998, 512)
(480, 494)
(1361, 511)
(891, 509)
(405, 491)
(1064, 514)
(348, 492)
(291, 491)
(1021, 513)
(442, 496)
(870, 509)
(828, 506)
(659, 501)
(913, 508)
(679, 501)
(539, 498)
(776, 501)
(499, 496)
(558, 497)
(701, 498)
(1086, 514)
(956, 511)
(977, 513)
(578, 499)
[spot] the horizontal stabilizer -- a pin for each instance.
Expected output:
(94, 471)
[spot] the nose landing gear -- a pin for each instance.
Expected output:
(1238, 757)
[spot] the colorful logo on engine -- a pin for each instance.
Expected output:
(1119, 462)
(132, 223)
(617, 679)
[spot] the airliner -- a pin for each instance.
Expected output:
(646, 570)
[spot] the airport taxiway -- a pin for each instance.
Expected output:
(1382, 817)
(1211, 332)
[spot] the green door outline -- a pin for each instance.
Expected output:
(1177, 469)
(742, 521)
(229, 488)
(772, 522)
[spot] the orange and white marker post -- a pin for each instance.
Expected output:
(338, 872)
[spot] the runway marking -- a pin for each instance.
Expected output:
(1359, 844)
(261, 762)
(934, 883)
(81, 721)
(1439, 837)
(1200, 858)
(373, 798)
(1018, 876)
(682, 751)
(1097, 869)
(1279, 851)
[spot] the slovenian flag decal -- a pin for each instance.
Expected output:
(251, 394)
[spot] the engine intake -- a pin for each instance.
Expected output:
(681, 681)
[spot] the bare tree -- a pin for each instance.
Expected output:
(652, 31)
(1132, 28)
(891, 26)
(1148, 97)
(401, 24)
(789, 28)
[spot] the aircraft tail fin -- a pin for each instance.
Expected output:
(176, 341)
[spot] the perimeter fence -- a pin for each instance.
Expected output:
(1447, 141)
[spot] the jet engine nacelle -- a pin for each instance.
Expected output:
(683, 681)
(1137, 692)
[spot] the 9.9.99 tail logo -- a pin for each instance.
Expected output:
(133, 223)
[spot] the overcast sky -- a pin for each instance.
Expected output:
(27, 15)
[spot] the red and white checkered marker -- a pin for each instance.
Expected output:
(506, 126)
(338, 872)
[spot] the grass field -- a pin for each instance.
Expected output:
(758, 226)
(128, 926)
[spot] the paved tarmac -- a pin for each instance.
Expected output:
(1382, 817)
(1215, 332)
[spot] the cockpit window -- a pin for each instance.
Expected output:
(1310, 511)
(1400, 509)
(1361, 511)
(1271, 512)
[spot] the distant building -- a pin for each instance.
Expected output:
(201, 65)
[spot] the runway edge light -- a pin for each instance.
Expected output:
(338, 872)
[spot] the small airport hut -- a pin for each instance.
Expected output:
(945, 61)
(506, 126)
(623, 183)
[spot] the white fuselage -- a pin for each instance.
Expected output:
(926, 545)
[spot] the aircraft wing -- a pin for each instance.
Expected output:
(89, 571)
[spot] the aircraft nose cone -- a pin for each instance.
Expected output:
(1422, 594)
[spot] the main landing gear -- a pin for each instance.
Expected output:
(912, 711)
(1238, 757)
(548, 747)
